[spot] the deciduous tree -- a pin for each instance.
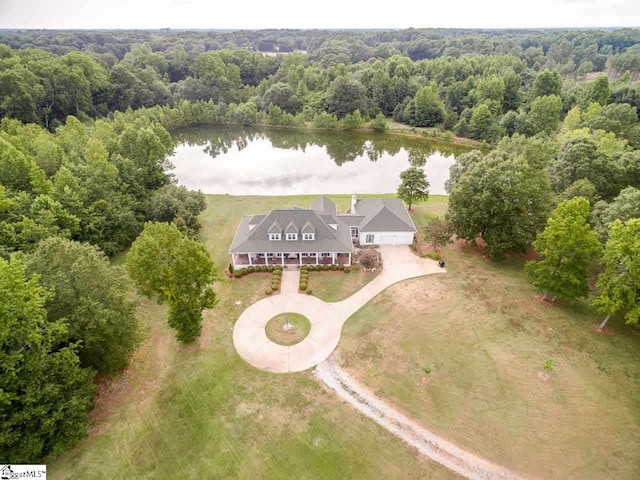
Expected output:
(505, 201)
(438, 232)
(567, 247)
(45, 396)
(414, 186)
(619, 283)
(165, 262)
(91, 298)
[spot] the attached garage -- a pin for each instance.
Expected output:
(386, 238)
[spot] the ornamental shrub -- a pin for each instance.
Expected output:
(340, 267)
(326, 267)
(275, 286)
(231, 268)
(346, 270)
(244, 271)
(249, 269)
(303, 286)
(309, 291)
(434, 256)
(355, 267)
(268, 291)
(237, 274)
(334, 267)
(270, 268)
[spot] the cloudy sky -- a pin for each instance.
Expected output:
(250, 14)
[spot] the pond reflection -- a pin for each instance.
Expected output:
(249, 161)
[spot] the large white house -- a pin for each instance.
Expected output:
(318, 234)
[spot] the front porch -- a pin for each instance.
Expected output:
(242, 260)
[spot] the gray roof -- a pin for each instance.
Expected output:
(256, 219)
(323, 205)
(274, 228)
(257, 240)
(291, 227)
(373, 215)
(384, 215)
(308, 228)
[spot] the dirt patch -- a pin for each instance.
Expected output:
(417, 294)
(544, 376)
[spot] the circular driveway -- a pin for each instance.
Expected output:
(250, 338)
(252, 344)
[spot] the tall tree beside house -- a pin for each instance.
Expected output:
(504, 201)
(165, 262)
(414, 186)
(619, 283)
(45, 396)
(567, 247)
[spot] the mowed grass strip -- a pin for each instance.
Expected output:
(201, 411)
(288, 328)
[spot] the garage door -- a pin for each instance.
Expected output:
(386, 239)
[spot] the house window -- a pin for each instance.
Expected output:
(308, 236)
(369, 238)
(325, 254)
(292, 236)
(279, 255)
(274, 236)
(354, 232)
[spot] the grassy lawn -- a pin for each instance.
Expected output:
(335, 285)
(201, 412)
(288, 328)
(461, 352)
(464, 354)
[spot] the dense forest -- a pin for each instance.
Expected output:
(466, 81)
(84, 143)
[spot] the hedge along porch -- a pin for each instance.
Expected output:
(243, 260)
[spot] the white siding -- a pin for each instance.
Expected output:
(387, 238)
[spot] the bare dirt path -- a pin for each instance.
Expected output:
(427, 443)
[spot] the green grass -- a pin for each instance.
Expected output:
(335, 285)
(299, 327)
(201, 412)
(479, 332)
(465, 354)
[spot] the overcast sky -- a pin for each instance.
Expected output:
(253, 14)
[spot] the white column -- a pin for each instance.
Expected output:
(266, 259)
(300, 258)
(249, 255)
(282, 257)
(333, 258)
(349, 258)
(316, 258)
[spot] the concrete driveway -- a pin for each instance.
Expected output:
(327, 319)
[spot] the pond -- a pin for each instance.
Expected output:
(252, 161)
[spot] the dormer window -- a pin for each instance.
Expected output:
(274, 236)
(308, 236)
(292, 236)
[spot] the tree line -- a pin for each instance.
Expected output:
(476, 84)
(69, 199)
(574, 197)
